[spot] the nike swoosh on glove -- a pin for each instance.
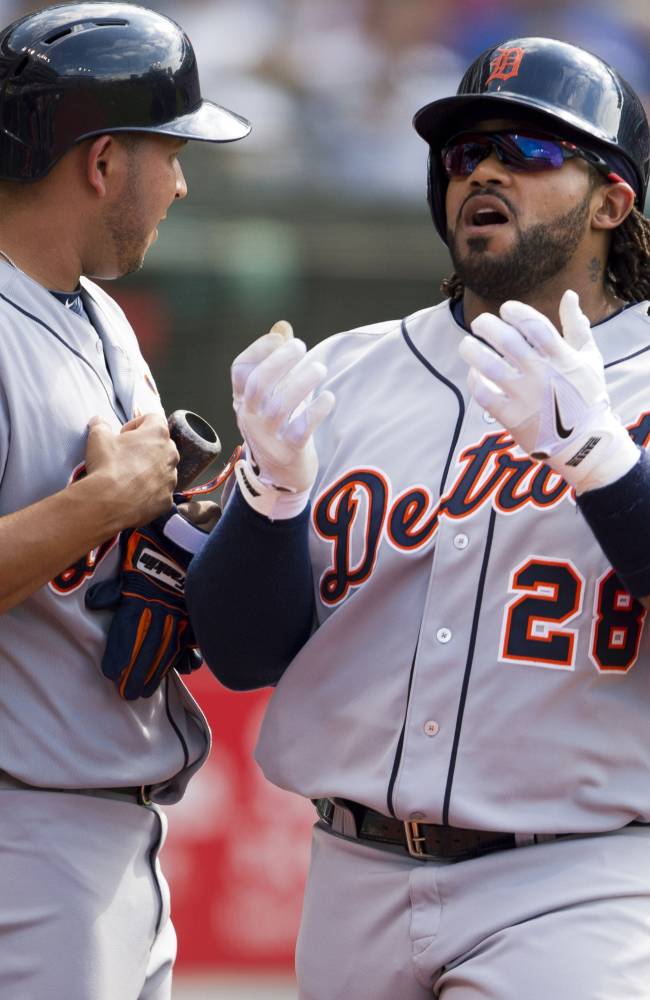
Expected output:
(548, 390)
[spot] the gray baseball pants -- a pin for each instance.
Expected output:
(567, 920)
(84, 908)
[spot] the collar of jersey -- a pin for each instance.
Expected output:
(458, 313)
(68, 299)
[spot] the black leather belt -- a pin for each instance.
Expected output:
(426, 841)
(138, 794)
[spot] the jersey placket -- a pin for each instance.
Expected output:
(443, 662)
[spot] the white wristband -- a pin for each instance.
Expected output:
(184, 534)
(274, 503)
(597, 457)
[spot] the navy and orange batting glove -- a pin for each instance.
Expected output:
(150, 633)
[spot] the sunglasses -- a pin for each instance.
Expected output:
(524, 151)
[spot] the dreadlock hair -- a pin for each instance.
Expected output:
(628, 262)
(452, 287)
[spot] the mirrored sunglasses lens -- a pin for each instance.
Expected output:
(463, 158)
(539, 153)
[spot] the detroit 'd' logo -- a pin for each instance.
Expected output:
(492, 472)
(506, 64)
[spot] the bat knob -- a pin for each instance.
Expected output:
(197, 442)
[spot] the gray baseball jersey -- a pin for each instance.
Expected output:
(475, 662)
(62, 723)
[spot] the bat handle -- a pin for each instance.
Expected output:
(197, 442)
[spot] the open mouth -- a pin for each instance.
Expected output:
(488, 217)
(482, 211)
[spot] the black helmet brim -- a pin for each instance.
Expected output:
(438, 121)
(208, 123)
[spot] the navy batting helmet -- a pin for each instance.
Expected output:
(77, 70)
(556, 86)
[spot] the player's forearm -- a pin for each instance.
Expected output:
(42, 540)
(250, 595)
(619, 516)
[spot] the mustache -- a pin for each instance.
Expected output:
(494, 193)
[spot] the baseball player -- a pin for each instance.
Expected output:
(453, 585)
(96, 102)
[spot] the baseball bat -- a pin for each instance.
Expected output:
(197, 442)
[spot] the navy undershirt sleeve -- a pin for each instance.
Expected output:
(250, 595)
(619, 516)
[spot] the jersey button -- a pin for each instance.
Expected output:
(488, 418)
(461, 541)
(431, 727)
(443, 635)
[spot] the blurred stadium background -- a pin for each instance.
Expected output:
(318, 217)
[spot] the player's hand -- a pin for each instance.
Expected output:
(137, 467)
(548, 390)
(278, 409)
(203, 514)
(150, 633)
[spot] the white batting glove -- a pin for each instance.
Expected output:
(548, 390)
(274, 382)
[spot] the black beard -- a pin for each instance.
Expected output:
(541, 252)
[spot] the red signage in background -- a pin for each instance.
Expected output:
(237, 851)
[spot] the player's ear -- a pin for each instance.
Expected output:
(614, 204)
(100, 163)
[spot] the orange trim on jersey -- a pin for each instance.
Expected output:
(74, 577)
(539, 473)
(473, 502)
(520, 493)
(545, 472)
(617, 638)
(427, 521)
(346, 493)
(546, 591)
(618, 632)
(636, 426)
(475, 485)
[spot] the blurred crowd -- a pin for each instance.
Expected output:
(331, 85)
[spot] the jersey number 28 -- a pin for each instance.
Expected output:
(549, 596)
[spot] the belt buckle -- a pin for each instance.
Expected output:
(415, 839)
